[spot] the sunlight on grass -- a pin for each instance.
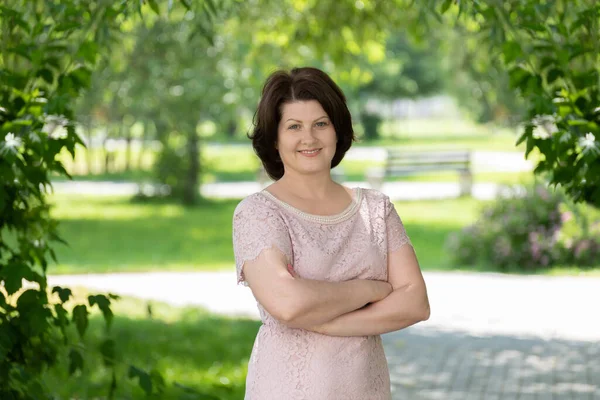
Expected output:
(188, 346)
(111, 234)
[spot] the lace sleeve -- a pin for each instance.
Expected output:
(256, 227)
(396, 234)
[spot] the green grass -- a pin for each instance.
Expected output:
(111, 234)
(188, 346)
(428, 224)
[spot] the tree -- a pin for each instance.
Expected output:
(409, 70)
(48, 50)
(550, 51)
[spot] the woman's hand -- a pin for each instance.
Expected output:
(381, 290)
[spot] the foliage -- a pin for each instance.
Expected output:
(550, 50)
(527, 231)
(48, 50)
(201, 356)
(156, 78)
(408, 70)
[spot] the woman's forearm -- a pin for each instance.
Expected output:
(316, 302)
(402, 308)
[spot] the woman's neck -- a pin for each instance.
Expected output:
(314, 187)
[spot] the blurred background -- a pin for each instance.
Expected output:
(149, 105)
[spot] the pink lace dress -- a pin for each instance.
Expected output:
(295, 364)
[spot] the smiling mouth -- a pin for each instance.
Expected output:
(315, 151)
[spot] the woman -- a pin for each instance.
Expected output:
(331, 267)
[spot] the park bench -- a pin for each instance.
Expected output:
(403, 163)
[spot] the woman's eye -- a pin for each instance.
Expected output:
(295, 126)
(322, 124)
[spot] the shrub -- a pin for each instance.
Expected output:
(529, 229)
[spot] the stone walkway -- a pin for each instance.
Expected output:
(490, 336)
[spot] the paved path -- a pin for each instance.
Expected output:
(490, 336)
(482, 161)
(238, 190)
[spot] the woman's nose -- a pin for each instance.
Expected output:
(308, 134)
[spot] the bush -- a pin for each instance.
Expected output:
(528, 230)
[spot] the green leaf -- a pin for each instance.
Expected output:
(88, 51)
(211, 7)
(529, 146)
(63, 294)
(145, 381)
(154, 6)
(104, 304)
(46, 75)
(445, 6)
(187, 4)
(157, 380)
(541, 167)
(61, 315)
(2, 300)
(518, 78)
(13, 277)
(75, 361)
(527, 133)
(80, 317)
(553, 75)
(511, 50)
(7, 341)
(109, 352)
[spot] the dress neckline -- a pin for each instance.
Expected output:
(346, 214)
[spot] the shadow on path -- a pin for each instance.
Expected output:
(428, 364)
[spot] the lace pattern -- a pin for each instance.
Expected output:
(296, 364)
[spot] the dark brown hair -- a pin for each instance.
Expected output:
(300, 84)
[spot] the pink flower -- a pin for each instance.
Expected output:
(566, 216)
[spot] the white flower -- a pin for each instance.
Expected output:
(11, 142)
(588, 143)
(588, 140)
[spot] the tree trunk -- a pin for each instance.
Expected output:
(231, 128)
(144, 138)
(127, 148)
(89, 151)
(371, 123)
(190, 192)
(106, 156)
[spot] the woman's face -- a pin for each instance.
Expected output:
(306, 138)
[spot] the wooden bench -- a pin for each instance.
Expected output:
(403, 163)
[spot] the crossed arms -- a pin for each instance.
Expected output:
(357, 307)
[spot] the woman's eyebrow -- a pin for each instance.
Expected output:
(297, 120)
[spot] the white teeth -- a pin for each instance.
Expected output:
(309, 151)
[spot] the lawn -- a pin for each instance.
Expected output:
(111, 234)
(206, 353)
